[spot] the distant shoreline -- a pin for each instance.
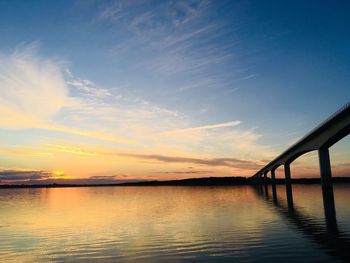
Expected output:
(208, 181)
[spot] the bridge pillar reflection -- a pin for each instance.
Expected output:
(327, 186)
(260, 185)
(288, 187)
(265, 185)
(273, 184)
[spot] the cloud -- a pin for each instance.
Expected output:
(343, 164)
(109, 177)
(22, 152)
(140, 16)
(32, 89)
(96, 135)
(205, 127)
(114, 109)
(15, 175)
(87, 87)
(29, 177)
(228, 162)
(109, 12)
(71, 150)
(186, 172)
(176, 37)
(34, 93)
(111, 152)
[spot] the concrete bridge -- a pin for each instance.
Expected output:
(319, 139)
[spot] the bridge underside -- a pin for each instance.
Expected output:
(323, 137)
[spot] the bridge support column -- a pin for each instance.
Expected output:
(273, 184)
(327, 186)
(288, 187)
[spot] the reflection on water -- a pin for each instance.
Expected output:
(162, 224)
(327, 235)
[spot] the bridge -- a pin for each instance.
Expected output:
(320, 139)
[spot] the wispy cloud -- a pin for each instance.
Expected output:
(34, 92)
(205, 127)
(23, 152)
(96, 135)
(201, 172)
(87, 87)
(176, 40)
(110, 12)
(344, 164)
(109, 177)
(32, 89)
(114, 153)
(72, 150)
(228, 162)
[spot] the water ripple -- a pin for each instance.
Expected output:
(166, 224)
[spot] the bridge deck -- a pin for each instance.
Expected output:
(325, 135)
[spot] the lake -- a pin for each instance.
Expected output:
(172, 224)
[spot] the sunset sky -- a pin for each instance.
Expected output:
(101, 91)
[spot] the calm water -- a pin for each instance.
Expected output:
(171, 224)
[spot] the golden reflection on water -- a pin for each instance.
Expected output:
(92, 208)
(144, 223)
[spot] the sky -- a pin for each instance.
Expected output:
(114, 91)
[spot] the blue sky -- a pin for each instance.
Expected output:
(258, 72)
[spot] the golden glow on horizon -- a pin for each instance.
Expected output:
(83, 162)
(58, 174)
(79, 162)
